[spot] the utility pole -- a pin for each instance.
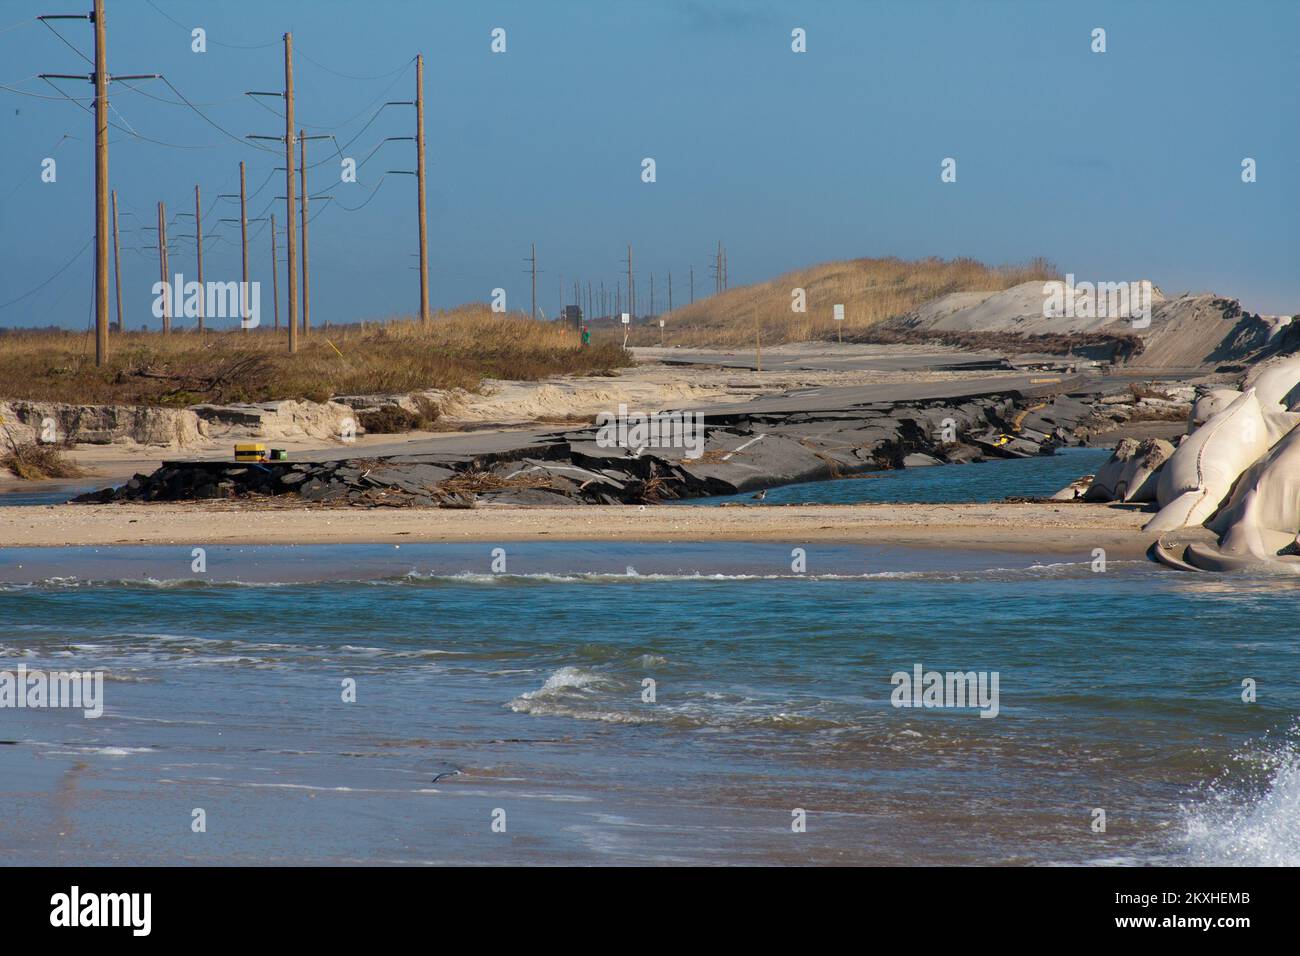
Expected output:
(419, 168)
(243, 243)
(290, 195)
(198, 234)
(288, 203)
(100, 78)
(306, 283)
(692, 285)
(275, 275)
(717, 269)
(652, 295)
(162, 268)
(101, 184)
(577, 301)
(724, 269)
(117, 266)
(532, 259)
(630, 301)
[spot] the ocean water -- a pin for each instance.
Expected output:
(48, 493)
(520, 699)
(994, 480)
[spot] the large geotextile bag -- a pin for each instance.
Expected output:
(1276, 382)
(1263, 514)
(1209, 405)
(1132, 472)
(1194, 482)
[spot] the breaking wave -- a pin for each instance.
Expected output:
(1258, 828)
(629, 576)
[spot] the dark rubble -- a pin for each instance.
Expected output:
(742, 452)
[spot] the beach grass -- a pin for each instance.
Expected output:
(36, 461)
(871, 290)
(457, 349)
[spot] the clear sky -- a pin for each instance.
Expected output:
(1117, 165)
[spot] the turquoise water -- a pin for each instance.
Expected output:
(522, 692)
(1037, 477)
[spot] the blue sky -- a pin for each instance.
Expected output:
(1116, 166)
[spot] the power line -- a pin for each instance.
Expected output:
(15, 26)
(39, 96)
(64, 268)
(229, 46)
(215, 125)
(140, 136)
(353, 76)
(66, 42)
(163, 99)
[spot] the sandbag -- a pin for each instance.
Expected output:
(1276, 382)
(1199, 475)
(1263, 513)
(1209, 405)
(1131, 472)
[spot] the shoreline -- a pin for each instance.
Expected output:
(1055, 528)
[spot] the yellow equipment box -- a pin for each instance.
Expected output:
(250, 452)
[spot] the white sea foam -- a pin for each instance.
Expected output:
(1261, 830)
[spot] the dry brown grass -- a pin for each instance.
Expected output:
(871, 291)
(34, 461)
(458, 349)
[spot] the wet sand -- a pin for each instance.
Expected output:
(1050, 528)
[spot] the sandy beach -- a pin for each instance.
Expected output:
(1055, 528)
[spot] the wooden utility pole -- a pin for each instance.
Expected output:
(717, 269)
(243, 244)
(652, 295)
(670, 291)
(198, 236)
(162, 268)
(532, 259)
(419, 169)
(101, 185)
(289, 197)
(630, 306)
(101, 79)
(275, 276)
(306, 284)
(117, 266)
